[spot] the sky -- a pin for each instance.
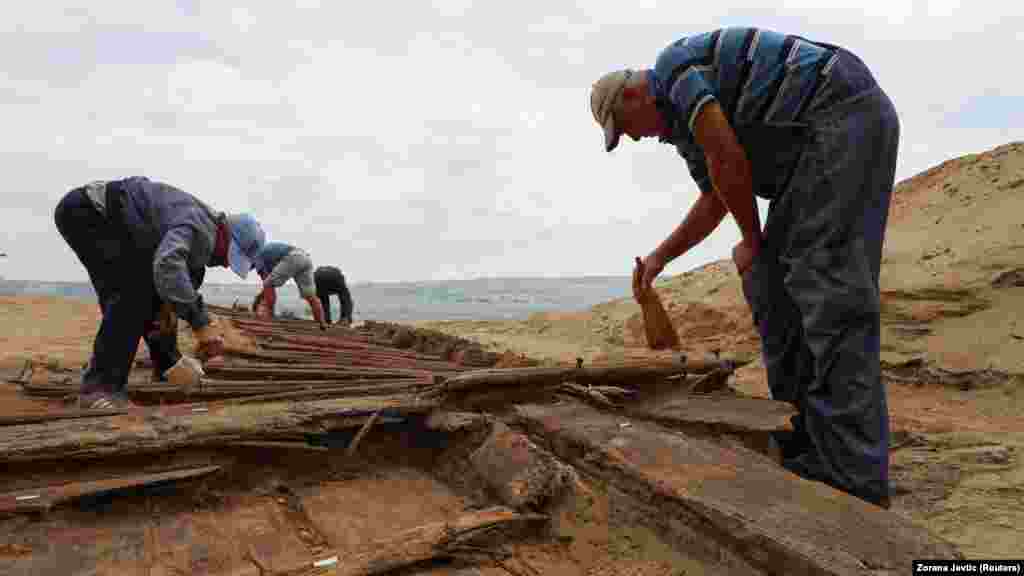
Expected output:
(409, 141)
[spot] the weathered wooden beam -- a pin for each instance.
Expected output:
(471, 534)
(226, 388)
(46, 497)
(728, 505)
(623, 374)
(296, 357)
(271, 371)
(50, 416)
(326, 393)
(722, 414)
(283, 445)
(147, 430)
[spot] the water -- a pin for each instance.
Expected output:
(482, 299)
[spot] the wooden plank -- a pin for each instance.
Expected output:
(411, 389)
(46, 497)
(731, 506)
(634, 373)
(50, 416)
(479, 531)
(211, 388)
(272, 371)
(147, 430)
(344, 360)
(722, 413)
(301, 446)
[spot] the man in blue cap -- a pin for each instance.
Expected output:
(146, 246)
(805, 125)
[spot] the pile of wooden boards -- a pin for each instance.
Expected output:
(291, 379)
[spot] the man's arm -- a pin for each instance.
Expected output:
(174, 285)
(730, 170)
(172, 279)
(704, 216)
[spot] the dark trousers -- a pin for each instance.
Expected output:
(122, 276)
(814, 293)
(344, 312)
(329, 280)
(325, 303)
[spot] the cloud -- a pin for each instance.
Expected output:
(418, 141)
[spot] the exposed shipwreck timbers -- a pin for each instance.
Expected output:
(472, 536)
(175, 426)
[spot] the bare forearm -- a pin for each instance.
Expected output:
(729, 170)
(702, 219)
(735, 188)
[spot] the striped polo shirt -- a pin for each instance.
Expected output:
(758, 77)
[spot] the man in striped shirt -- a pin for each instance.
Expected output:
(804, 125)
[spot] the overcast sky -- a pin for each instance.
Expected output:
(409, 141)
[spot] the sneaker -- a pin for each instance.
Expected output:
(105, 401)
(98, 401)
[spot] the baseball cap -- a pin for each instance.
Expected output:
(605, 98)
(247, 239)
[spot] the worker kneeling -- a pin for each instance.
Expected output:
(146, 246)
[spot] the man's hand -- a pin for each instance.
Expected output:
(743, 255)
(210, 344)
(645, 272)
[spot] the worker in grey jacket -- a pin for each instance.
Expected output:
(146, 246)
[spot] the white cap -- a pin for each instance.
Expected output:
(605, 99)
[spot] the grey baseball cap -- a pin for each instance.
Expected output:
(605, 99)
